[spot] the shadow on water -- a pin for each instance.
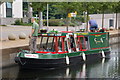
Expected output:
(98, 68)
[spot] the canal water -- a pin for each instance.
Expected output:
(101, 68)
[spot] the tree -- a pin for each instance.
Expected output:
(39, 6)
(67, 7)
(116, 9)
(104, 6)
(53, 12)
(89, 7)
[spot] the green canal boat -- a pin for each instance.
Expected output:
(65, 48)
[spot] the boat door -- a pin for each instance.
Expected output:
(76, 43)
(80, 43)
(68, 43)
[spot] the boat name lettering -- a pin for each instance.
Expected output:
(31, 55)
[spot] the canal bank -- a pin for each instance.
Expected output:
(10, 48)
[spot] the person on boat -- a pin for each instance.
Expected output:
(93, 25)
(33, 36)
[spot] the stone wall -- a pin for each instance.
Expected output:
(9, 21)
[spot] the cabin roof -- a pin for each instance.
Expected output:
(72, 33)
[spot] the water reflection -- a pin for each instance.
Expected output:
(75, 71)
(99, 68)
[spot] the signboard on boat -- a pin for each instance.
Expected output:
(99, 40)
(31, 55)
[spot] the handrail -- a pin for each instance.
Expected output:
(51, 52)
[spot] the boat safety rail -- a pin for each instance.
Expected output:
(52, 52)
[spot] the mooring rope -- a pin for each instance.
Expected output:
(21, 61)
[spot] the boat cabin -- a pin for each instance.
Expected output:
(69, 42)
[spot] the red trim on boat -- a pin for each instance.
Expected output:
(56, 44)
(80, 36)
(84, 43)
(63, 45)
(83, 50)
(100, 48)
(79, 41)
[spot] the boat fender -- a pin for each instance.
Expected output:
(67, 72)
(103, 60)
(67, 60)
(83, 56)
(103, 54)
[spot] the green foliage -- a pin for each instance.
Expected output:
(26, 24)
(116, 6)
(53, 31)
(61, 9)
(3, 25)
(62, 22)
(75, 22)
(38, 6)
(18, 22)
(80, 19)
(67, 7)
(55, 22)
(25, 6)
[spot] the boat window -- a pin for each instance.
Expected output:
(47, 44)
(42, 42)
(65, 43)
(87, 42)
(59, 44)
(81, 43)
(50, 44)
(72, 44)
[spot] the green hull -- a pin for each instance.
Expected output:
(57, 56)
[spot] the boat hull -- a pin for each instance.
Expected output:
(60, 62)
